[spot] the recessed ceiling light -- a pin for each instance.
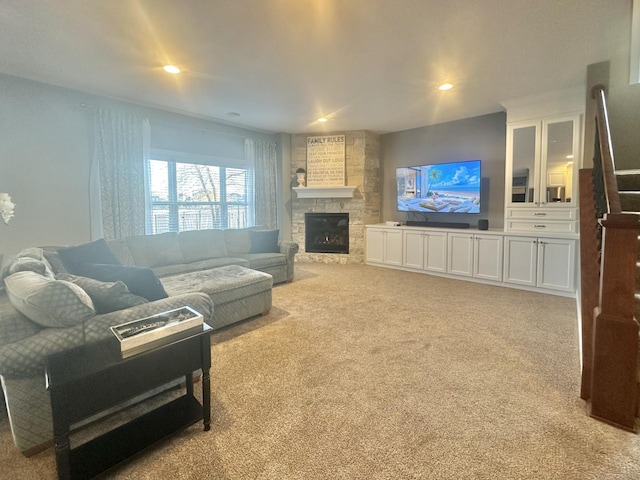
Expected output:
(322, 119)
(171, 69)
(445, 86)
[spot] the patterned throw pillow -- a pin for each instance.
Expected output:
(28, 264)
(107, 296)
(50, 303)
(31, 259)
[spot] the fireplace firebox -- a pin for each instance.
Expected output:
(326, 232)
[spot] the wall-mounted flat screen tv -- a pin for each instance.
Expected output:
(452, 187)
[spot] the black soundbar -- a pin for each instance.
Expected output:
(414, 223)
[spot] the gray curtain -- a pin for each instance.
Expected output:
(118, 174)
(263, 155)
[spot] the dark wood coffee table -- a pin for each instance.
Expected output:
(93, 378)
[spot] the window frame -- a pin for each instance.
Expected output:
(173, 205)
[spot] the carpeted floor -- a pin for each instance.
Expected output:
(361, 372)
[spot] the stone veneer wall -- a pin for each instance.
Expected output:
(362, 167)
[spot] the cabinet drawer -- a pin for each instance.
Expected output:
(539, 214)
(541, 226)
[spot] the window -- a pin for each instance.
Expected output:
(198, 195)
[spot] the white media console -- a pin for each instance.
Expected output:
(530, 261)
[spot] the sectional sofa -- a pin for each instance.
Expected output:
(57, 298)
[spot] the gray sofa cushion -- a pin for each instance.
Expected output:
(107, 296)
(50, 303)
(259, 261)
(264, 241)
(202, 244)
(200, 265)
(237, 240)
(120, 249)
(14, 326)
(155, 250)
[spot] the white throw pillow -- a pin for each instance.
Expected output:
(50, 303)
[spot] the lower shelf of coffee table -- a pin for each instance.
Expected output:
(114, 447)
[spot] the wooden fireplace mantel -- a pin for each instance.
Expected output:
(324, 192)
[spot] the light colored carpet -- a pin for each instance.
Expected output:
(361, 372)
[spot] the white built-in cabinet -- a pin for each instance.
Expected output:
(540, 262)
(475, 255)
(386, 246)
(527, 261)
(425, 250)
(543, 155)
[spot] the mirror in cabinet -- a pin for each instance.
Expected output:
(559, 162)
(524, 159)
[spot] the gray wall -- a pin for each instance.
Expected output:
(46, 148)
(624, 118)
(623, 105)
(474, 138)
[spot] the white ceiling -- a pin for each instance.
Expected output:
(281, 64)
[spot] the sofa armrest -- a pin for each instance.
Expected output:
(27, 356)
(289, 248)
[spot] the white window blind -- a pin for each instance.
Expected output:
(199, 194)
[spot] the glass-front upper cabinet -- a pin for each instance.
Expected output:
(540, 162)
(559, 152)
(525, 162)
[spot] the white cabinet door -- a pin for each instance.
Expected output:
(540, 262)
(375, 245)
(460, 254)
(487, 257)
(384, 245)
(556, 264)
(393, 247)
(413, 249)
(520, 255)
(435, 251)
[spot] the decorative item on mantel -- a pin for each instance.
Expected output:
(6, 207)
(302, 177)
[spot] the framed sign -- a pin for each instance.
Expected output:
(325, 161)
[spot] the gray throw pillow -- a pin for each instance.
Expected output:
(50, 303)
(140, 281)
(107, 296)
(93, 252)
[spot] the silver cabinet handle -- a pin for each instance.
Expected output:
(539, 226)
(539, 214)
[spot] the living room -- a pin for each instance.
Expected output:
(46, 158)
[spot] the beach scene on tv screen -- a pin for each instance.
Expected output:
(446, 187)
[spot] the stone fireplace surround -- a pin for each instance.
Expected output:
(362, 167)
